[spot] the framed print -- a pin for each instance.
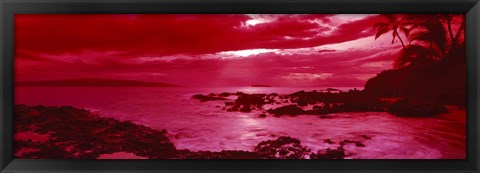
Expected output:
(216, 85)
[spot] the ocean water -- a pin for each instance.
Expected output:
(196, 125)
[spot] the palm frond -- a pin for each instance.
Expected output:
(420, 36)
(430, 31)
(381, 25)
(391, 18)
(438, 34)
(381, 32)
(381, 29)
(414, 53)
(405, 30)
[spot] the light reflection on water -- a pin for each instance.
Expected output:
(199, 125)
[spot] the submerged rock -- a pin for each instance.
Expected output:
(287, 110)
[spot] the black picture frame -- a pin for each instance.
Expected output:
(9, 8)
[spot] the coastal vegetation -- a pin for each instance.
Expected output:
(432, 66)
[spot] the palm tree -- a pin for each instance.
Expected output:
(433, 33)
(393, 24)
(430, 37)
(416, 55)
(460, 31)
(448, 18)
(428, 43)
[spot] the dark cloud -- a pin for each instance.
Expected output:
(135, 47)
(173, 34)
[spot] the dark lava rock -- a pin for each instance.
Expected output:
(225, 154)
(283, 147)
(272, 94)
(246, 108)
(357, 143)
(79, 134)
(418, 107)
(240, 93)
(269, 101)
(209, 97)
(365, 137)
(338, 153)
(325, 117)
(225, 94)
(299, 94)
(317, 112)
(287, 110)
(247, 102)
(262, 115)
(253, 99)
(234, 108)
(331, 89)
(328, 141)
(302, 101)
(229, 103)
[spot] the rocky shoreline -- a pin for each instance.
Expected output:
(322, 103)
(73, 133)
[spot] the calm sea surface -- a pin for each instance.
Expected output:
(199, 125)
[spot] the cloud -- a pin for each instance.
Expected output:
(163, 35)
(307, 76)
(203, 50)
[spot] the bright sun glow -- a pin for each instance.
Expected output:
(244, 53)
(253, 22)
(258, 19)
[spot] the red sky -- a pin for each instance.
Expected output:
(204, 50)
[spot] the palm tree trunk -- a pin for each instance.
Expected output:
(401, 41)
(452, 38)
(462, 27)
